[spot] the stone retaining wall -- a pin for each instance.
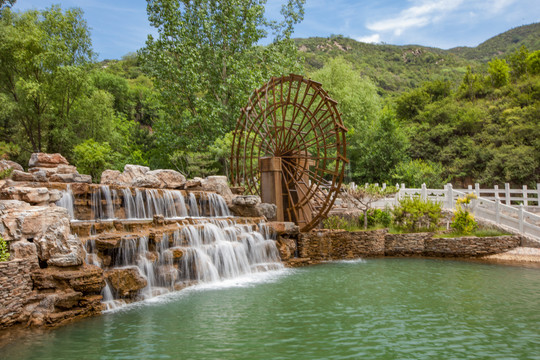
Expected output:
(405, 244)
(323, 245)
(470, 246)
(16, 289)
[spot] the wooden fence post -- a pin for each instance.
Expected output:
(507, 194)
(477, 189)
(525, 196)
(496, 191)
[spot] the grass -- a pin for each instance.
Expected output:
(477, 233)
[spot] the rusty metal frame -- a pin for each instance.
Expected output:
(294, 119)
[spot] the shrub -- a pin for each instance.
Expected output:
(334, 222)
(4, 252)
(415, 214)
(463, 221)
(4, 174)
(377, 217)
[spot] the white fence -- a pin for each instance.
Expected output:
(487, 207)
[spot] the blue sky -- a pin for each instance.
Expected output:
(121, 26)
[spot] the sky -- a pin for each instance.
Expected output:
(119, 27)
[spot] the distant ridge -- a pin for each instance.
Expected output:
(502, 44)
(397, 68)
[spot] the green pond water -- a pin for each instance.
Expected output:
(372, 309)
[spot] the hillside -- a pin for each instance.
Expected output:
(392, 68)
(395, 69)
(503, 44)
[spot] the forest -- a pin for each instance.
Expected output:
(414, 114)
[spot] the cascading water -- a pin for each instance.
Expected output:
(212, 249)
(66, 201)
(145, 203)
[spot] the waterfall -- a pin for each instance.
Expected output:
(129, 204)
(193, 206)
(209, 252)
(66, 201)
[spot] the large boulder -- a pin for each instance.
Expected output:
(219, 185)
(46, 160)
(71, 178)
(36, 176)
(48, 228)
(246, 205)
(147, 181)
(269, 211)
(34, 196)
(8, 164)
(132, 171)
(111, 177)
(127, 281)
(115, 177)
(170, 179)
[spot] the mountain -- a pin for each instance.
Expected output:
(503, 44)
(395, 69)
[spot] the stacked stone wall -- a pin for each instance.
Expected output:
(16, 289)
(405, 244)
(324, 245)
(297, 249)
(470, 246)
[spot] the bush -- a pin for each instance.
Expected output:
(415, 214)
(334, 222)
(92, 158)
(463, 221)
(4, 251)
(4, 174)
(377, 217)
(416, 172)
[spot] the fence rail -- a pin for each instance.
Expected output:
(491, 208)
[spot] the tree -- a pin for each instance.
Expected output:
(499, 72)
(365, 196)
(414, 173)
(6, 4)
(381, 146)
(206, 60)
(358, 100)
(40, 78)
(93, 158)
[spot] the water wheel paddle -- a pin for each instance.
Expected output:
(289, 148)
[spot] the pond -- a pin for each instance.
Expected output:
(385, 308)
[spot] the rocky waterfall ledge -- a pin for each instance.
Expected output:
(77, 248)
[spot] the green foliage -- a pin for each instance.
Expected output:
(365, 196)
(8, 150)
(377, 217)
(4, 251)
(499, 72)
(40, 57)
(414, 173)
(533, 63)
(194, 163)
(378, 149)
(463, 220)
(93, 158)
(4, 174)
(334, 222)
(206, 61)
(414, 214)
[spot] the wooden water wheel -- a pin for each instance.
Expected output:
(289, 148)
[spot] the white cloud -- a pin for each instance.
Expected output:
(375, 38)
(424, 13)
